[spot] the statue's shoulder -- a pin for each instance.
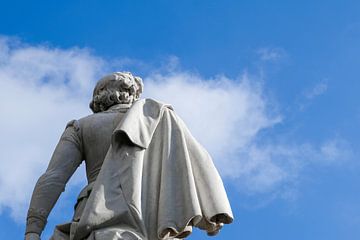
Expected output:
(88, 118)
(151, 104)
(94, 120)
(76, 124)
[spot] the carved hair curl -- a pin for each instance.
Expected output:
(119, 87)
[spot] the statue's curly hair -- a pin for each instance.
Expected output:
(118, 87)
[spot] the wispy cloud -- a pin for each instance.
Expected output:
(277, 167)
(45, 87)
(317, 90)
(271, 54)
(309, 95)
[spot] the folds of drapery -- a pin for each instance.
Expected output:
(156, 180)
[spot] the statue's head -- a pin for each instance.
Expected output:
(118, 87)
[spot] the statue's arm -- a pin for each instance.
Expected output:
(65, 160)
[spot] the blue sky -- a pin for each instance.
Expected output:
(279, 81)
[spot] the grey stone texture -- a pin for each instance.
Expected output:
(148, 178)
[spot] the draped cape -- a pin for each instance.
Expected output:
(156, 180)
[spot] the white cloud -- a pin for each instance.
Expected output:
(41, 89)
(227, 116)
(277, 167)
(219, 111)
(44, 87)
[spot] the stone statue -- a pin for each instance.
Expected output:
(148, 178)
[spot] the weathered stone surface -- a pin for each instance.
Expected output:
(148, 178)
